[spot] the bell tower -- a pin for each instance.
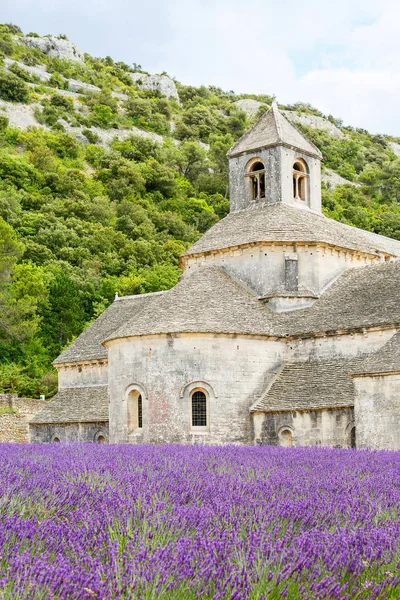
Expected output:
(274, 163)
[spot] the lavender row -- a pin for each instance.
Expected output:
(84, 521)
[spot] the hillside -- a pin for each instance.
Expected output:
(108, 173)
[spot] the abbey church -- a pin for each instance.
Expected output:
(284, 328)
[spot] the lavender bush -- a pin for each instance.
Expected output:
(152, 522)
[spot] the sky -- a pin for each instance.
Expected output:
(343, 57)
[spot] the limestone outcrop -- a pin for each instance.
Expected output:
(332, 179)
(38, 71)
(54, 47)
(395, 148)
(106, 136)
(314, 121)
(20, 116)
(249, 106)
(164, 84)
(78, 86)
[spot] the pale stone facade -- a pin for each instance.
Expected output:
(268, 338)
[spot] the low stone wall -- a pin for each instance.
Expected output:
(15, 414)
(69, 432)
(328, 427)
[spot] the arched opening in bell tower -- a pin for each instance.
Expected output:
(256, 173)
(300, 181)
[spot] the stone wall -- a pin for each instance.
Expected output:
(165, 369)
(305, 428)
(82, 374)
(15, 414)
(262, 267)
(278, 162)
(377, 411)
(68, 432)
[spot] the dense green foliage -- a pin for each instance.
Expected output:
(81, 222)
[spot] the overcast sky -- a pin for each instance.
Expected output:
(343, 57)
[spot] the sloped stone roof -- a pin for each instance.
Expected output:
(273, 129)
(206, 301)
(310, 385)
(88, 345)
(386, 360)
(210, 301)
(361, 298)
(284, 223)
(75, 405)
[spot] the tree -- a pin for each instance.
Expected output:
(12, 88)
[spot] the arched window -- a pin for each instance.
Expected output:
(135, 411)
(300, 180)
(256, 174)
(199, 406)
(286, 437)
(56, 439)
(353, 437)
(100, 438)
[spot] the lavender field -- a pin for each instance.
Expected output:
(146, 522)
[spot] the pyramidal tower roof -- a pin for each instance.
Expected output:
(273, 129)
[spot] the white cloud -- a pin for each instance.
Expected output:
(342, 57)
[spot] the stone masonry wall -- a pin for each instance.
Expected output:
(308, 428)
(15, 414)
(68, 432)
(165, 369)
(377, 411)
(262, 267)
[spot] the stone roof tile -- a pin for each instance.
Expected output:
(75, 405)
(361, 298)
(284, 223)
(310, 385)
(273, 129)
(386, 360)
(206, 301)
(88, 345)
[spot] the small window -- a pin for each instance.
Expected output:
(300, 180)
(353, 437)
(199, 409)
(135, 411)
(286, 438)
(101, 439)
(140, 412)
(56, 439)
(256, 174)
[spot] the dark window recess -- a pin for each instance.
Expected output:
(199, 410)
(291, 275)
(140, 411)
(353, 437)
(257, 176)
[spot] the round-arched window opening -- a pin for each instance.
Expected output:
(286, 438)
(256, 174)
(353, 437)
(300, 180)
(101, 439)
(56, 439)
(199, 409)
(135, 411)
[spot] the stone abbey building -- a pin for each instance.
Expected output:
(284, 328)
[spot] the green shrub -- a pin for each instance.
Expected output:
(62, 102)
(3, 122)
(13, 88)
(6, 44)
(21, 73)
(56, 80)
(91, 136)
(10, 28)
